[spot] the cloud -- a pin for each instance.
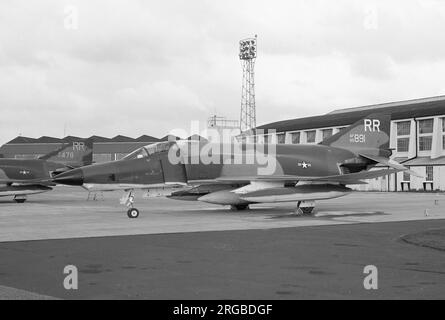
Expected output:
(145, 67)
(375, 66)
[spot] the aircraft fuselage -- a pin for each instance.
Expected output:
(156, 169)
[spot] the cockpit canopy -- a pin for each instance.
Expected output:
(151, 149)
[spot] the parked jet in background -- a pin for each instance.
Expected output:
(22, 177)
(301, 173)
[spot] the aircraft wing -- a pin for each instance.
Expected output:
(353, 178)
(275, 178)
(350, 178)
(25, 182)
(391, 163)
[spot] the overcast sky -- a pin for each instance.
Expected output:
(145, 67)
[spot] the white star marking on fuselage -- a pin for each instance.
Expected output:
(304, 164)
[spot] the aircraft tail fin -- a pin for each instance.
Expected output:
(369, 135)
(72, 154)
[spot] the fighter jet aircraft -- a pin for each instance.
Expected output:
(22, 177)
(241, 175)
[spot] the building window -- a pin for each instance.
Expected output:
(406, 176)
(403, 128)
(403, 145)
(295, 137)
(426, 126)
(310, 136)
(120, 156)
(28, 156)
(281, 138)
(403, 132)
(425, 143)
(101, 157)
(426, 134)
(429, 173)
(326, 133)
(443, 133)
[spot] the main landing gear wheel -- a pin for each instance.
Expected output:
(133, 213)
(239, 207)
(305, 208)
(20, 199)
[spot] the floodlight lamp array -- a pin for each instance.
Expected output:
(247, 49)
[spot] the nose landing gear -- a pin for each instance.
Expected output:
(128, 200)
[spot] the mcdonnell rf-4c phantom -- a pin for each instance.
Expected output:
(240, 174)
(22, 177)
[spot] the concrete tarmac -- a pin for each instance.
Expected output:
(65, 213)
(324, 262)
(188, 250)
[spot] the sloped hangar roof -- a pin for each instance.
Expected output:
(46, 139)
(121, 138)
(146, 138)
(99, 139)
(96, 139)
(398, 110)
(21, 139)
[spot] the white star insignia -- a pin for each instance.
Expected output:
(304, 164)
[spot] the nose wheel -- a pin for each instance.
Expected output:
(133, 213)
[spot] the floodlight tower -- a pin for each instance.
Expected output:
(247, 55)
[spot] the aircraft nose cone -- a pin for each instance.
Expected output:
(72, 178)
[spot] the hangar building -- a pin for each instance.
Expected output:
(417, 139)
(104, 149)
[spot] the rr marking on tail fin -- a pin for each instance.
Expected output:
(74, 154)
(372, 125)
(79, 146)
(370, 134)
